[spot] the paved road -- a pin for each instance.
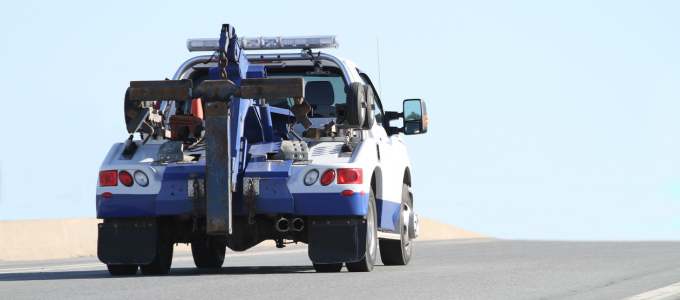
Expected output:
(460, 269)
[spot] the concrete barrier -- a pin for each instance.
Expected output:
(57, 239)
(47, 239)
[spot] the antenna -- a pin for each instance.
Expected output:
(377, 48)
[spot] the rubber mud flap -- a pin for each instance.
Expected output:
(127, 242)
(337, 240)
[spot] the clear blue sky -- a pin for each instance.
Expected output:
(548, 119)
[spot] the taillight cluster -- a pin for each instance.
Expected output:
(350, 176)
(327, 177)
(112, 177)
(108, 178)
(344, 176)
(125, 178)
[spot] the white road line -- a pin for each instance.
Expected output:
(665, 293)
(50, 268)
(101, 266)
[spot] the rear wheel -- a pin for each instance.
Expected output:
(122, 270)
(161, 264)
(398, 252)
(366, 264)
(328, 268)
(208, 252)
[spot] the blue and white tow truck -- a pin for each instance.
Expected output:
(244, 145)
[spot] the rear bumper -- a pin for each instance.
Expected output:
(135, 205)
(330, 204)
(301, 204)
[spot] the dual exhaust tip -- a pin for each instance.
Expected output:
(285, 225)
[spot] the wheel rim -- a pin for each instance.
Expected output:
(371, 233)
(406, 217)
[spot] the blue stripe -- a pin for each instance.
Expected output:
(173, 198)
(134, 205)
(330, 204)
(183, 171)
(388, 214)
(126, 206)
(274, 196)
(305, 204)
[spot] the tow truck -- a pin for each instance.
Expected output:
(244, 145)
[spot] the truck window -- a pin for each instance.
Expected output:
(323, 93)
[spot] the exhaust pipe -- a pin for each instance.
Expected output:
(298, 224)
(282, 225)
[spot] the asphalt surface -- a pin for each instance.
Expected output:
(457, 269)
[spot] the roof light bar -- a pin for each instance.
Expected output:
(203, 44)
(269, 43)
(289, 42)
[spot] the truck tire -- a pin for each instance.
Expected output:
(122, 270)
(398, 252)
(356, 101)
(370, 101)
(366, 264)
(208, 252)
(328, 268)
(163, 260)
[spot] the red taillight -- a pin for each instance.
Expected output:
(350, 176)
(327, 177)
(125, 178)
(347, 193)
(108, 178)
(106, 195)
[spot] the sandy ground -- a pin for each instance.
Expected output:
(68, 238)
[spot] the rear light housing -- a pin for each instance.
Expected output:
(311, 177)
(327, 177)
(141, 178)
(125, 178)
(108, 178)
(350, 176)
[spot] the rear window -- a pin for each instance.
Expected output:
(336, 81)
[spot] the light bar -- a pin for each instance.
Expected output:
(203, 44)
(289, 42)
(268, 43)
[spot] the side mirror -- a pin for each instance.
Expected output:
(415, 117)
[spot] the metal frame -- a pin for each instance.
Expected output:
(300, 56)
(186, 66)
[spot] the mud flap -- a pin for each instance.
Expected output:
(337, 240)
(127, 241)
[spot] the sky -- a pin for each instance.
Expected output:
(548, 119)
